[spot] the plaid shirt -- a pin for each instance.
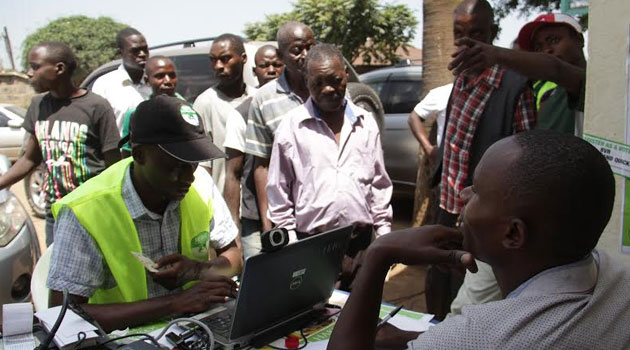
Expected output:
(468, 103)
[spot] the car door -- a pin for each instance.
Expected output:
(11, 136)
(400, 95)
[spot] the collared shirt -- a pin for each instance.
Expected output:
(468, 102)
(316, 184)
(583, 305)
(216, 110)
(121, 92)
(78, 264)
(268, 108)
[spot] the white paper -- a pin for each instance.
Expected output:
(19, 342)
(71, 325)
(17, 318)
(410, 324)
(17, 324)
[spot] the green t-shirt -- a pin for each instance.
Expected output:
(127, 118)
(557, 110)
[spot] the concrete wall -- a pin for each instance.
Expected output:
(606, 91)
(14, 89)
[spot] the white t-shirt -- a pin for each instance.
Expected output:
(235, 134)
(216, 109)
(121, 93)
(435, 102)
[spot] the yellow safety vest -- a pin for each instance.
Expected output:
(99, 207)
(541, 88)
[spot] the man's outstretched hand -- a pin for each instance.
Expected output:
(472, 57)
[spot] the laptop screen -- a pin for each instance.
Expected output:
(279, 285)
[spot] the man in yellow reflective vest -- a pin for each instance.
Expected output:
(153, 203)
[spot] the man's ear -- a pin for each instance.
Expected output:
(515, 235)
(494, 30)
(244, 57)
(61, 68)
(138, 155)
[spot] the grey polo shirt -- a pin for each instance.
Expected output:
(583, 305)
(270, 104)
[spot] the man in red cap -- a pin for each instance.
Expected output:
(552, 57)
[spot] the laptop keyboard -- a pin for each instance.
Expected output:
(219, 323)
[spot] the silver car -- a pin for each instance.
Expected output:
(11, 132)
(399, 90)
(19, 247)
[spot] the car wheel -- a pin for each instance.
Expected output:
(364, 97)
(34, 189)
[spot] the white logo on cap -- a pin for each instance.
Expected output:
(189, 115)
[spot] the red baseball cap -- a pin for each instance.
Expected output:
(526, 34)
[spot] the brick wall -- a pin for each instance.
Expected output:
(14, 89)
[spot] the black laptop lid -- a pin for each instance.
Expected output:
(284, 283)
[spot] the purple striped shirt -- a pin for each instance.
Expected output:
(316, 184)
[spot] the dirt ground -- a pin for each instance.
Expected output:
(404, 285)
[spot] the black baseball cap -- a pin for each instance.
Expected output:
(174, 126)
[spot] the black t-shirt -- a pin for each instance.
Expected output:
(72, 134)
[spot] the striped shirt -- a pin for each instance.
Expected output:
(268, 107)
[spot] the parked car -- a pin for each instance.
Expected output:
(11, 132)
(34, 190)
(194, 75)
(19, 247)
(12, 138)
(399, 90)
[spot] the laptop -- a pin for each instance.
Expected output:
(279, 290)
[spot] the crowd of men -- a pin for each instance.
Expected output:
(521, 209)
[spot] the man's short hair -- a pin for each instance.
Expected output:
(322, 52)
(285, 33)
(152, 59)
(235, 40)
(479, 7)
(124, 34)
(571, 186)
(60, 52)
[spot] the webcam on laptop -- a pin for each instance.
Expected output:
(274, 239)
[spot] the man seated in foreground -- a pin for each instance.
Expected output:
(147, 203)
(538, 205)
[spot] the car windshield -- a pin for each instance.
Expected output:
(17, 110)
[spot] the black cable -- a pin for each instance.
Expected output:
(77, 309)
(79, 340)
(51, 335)
(301, 347)
(147, 336)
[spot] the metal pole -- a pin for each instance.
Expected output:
(7, 43)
